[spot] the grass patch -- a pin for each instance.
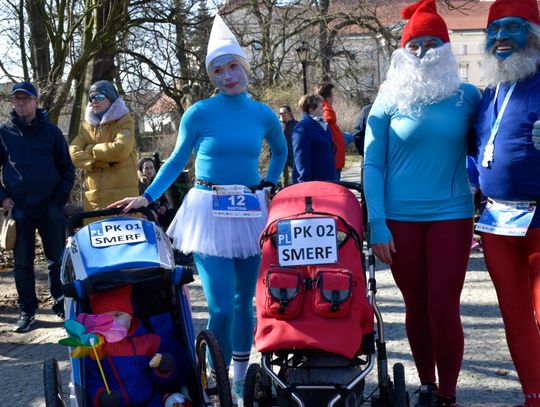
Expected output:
(352, 160)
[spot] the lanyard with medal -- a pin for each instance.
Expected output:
(507, 218)
(489, 150)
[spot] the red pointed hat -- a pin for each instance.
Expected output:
(527, 9)
(115, 299)
(423, 20)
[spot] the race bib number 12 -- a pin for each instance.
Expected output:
(235, 201)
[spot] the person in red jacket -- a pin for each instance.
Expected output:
(326, 91)
(137, 368)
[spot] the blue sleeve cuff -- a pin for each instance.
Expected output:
(348, 137)
(148, 197)
(3, 194)
(379, 232)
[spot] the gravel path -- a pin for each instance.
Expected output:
(487, 377)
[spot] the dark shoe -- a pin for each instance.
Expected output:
(58, 309)
(427, 395)
(445, 401)
(24, 322)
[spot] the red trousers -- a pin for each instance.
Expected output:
(429, 268)
(514, 266)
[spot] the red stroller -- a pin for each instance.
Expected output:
(314, 318)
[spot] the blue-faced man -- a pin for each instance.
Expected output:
(508, 139)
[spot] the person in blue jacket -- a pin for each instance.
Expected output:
(508, 132)
(222, 217)
(419, 200)
(37, 177)
(313, 148)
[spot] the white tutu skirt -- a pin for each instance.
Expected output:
(194, 229)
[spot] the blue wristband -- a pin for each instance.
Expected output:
(148, 198)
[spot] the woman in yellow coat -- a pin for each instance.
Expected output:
(105, 148)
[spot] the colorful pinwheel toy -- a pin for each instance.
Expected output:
(83, 342)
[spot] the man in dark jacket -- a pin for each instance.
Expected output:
(287, 122)
(37, 177)
(360, 128)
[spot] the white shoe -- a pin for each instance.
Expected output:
(238, 392)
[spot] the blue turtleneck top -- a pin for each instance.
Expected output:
(227, 133)
(414, 164)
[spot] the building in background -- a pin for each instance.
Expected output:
(466, 29)
(360, 55)
(465, 22)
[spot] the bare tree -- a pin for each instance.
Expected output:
(156, 48)
(165, 55)
(110, 12)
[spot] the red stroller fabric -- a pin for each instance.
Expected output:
(318, 306)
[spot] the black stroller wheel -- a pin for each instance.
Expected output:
(52, 384)
(214, 380)
(256, 391)
(401, 396)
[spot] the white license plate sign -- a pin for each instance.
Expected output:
(110, 233)
(303, 242)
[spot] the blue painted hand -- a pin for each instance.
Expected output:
(536, 134)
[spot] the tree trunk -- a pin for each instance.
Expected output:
(180, 49)
(325, 45)
(103, 67)
(39, 48)
(22, 43)
(80, 83)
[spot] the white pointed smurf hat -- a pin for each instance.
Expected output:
(222, 42)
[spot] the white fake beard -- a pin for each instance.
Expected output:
(413, 82)
(522, 64)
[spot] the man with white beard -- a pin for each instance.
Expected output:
(418, 196)
(508, 133)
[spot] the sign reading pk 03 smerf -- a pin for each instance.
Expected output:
(303, 242)
(110, 233)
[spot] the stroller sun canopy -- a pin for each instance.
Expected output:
(117, 244)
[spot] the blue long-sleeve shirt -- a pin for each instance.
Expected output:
(227, 133)
(414, 165)
(513, 174)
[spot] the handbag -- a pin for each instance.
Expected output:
(8, 232)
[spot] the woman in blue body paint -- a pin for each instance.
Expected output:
(226, 131)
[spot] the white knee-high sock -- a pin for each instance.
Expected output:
(240, 365)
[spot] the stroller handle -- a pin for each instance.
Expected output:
(76, 219)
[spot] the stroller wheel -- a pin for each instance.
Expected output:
(212, 371)
(401, 396)
(52, 384)
(257, 392)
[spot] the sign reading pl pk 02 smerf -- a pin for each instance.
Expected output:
(303, 242)
(110, 233)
